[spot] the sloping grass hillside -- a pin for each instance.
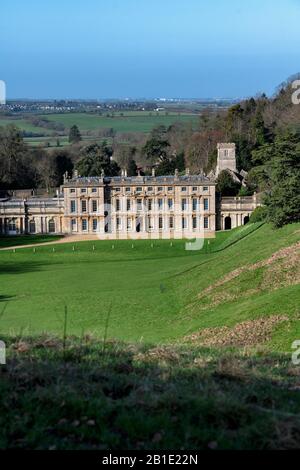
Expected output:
(155, 291)
(252, 282)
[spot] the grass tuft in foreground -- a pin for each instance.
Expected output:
(129, 396)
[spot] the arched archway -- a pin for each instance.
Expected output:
(246, 220)
(227, 223)
(12, 226)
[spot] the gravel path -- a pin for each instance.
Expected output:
(66, 239)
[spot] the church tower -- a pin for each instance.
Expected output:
(226, 158)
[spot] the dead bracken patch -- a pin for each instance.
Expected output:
(247, 333)
(289, 253)
(161, 354)
(45, 342)
(283, 273)
(282, 269)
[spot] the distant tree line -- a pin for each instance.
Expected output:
(38, 121)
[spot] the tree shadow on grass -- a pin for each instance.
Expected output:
(19, 267)
(86, 394)
(6, 298)
(20, 240)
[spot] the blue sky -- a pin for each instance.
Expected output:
(147, 48)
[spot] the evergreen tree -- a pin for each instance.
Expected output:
(259, 130)
(179, 162)
(62, 164)
(156, 149)
(283, 199)
(74, 135)
(226, 185)
(96, 160)
(132, 168)
(166, 166)
(16, 169)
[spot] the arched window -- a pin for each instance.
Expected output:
(12, 227)
(51, 226)
(227, 223)
(138, 224)
(32, 226)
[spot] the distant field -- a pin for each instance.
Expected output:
(140, 121)
(130, 122)
(52, 141)
(24, 125)
(44, 141)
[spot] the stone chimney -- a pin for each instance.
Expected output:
(125, 173)
(187, 172)
(153, 172)
(176, 174)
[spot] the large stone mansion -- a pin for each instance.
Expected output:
(136, 207)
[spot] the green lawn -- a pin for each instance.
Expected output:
(151, 293)
(6, 242)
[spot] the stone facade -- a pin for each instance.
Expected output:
(236, 211)
(140, 207)
(19, 216)
(137, 207)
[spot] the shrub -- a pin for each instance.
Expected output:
(258, 215)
